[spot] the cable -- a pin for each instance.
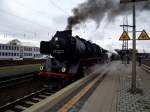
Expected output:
(24, 35)
(26, 20)
(17, 36)
(17, 28)
(30, 34)
(33, 10)
(58, 7)
(29, 21)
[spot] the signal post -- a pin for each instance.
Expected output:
(133, 89)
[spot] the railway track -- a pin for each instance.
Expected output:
(27, 101)
(82, 87)
(20, 104)
(16, 80)
(4, 63)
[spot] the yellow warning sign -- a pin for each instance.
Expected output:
(124, 36)
(144, 36)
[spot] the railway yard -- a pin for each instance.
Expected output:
(74, 56)
(26, 93)
(105, 88)
(78, 76)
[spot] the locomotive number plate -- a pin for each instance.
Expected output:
(58, 51)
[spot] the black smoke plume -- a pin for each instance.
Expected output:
(96, 10)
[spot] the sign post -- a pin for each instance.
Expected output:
(133, 89)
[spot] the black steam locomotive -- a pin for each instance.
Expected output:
(69, 54)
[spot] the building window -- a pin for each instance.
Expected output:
(2, 47)
(10, 48)
(17, 48)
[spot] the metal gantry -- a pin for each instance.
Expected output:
(125, 45)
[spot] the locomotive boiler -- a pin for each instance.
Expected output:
(69, 55)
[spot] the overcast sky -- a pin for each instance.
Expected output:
(31, 21)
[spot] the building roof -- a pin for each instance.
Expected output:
(14, 42)
(19, 43)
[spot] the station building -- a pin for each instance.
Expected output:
(14, 50)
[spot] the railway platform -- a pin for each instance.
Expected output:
(112, 94)
(108, 92)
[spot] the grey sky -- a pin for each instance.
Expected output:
(35, 20)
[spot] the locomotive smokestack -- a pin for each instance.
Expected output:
(65, 33)
(73, 20)
(96, 10)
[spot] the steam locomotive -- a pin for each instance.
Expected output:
(69, 56)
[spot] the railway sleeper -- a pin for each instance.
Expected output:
(29, 102)
(20, 107)
(34, 101)
(38, 99)
(9, 111)
(44, 96)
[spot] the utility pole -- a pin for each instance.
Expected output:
(133, 83)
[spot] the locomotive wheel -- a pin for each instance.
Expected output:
(35, 76)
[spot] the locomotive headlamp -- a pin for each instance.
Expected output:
(63, 69)
(56, 38)
(41, 68)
